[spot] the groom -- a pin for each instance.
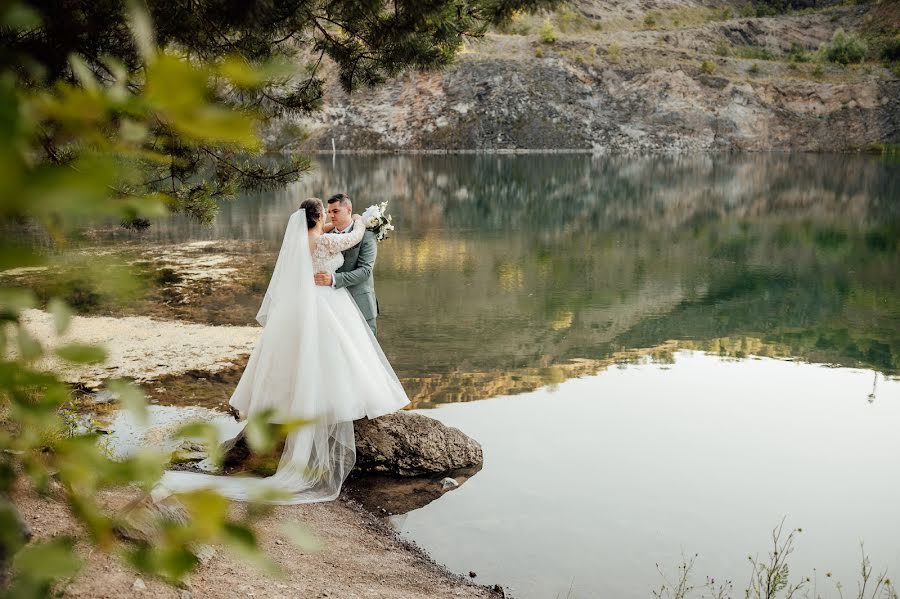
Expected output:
(359, 261)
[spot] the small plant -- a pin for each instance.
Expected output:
(614, 51)
(798, 54)
(818, 72)
(569, 19)
(754, 53)
(547, 34)
(708, 67)
(753, 70)
(538, 52)
(597, 26)
(846, 48)
(890, 51)
(650, 20)
(723, 48)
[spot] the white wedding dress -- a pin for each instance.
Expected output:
(316, 359)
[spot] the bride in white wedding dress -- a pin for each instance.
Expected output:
(316, 359)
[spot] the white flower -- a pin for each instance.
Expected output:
(372, 222)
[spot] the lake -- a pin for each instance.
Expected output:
(661, 356)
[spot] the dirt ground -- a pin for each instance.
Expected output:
(359, 557)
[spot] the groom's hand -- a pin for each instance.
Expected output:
(323, 278)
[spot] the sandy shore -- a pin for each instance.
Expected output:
(141, 348)
(359, 557)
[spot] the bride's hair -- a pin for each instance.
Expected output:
(314, 211)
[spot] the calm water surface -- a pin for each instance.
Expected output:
(660, 356)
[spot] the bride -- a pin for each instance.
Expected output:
(316, 359)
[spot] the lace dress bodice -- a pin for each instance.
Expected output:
(327, 256)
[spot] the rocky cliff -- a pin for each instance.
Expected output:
(657, 75)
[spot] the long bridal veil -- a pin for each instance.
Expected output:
(285, 375)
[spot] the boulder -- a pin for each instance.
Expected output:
(402, 443)
(409, 444)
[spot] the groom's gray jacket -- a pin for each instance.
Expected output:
(356, 274)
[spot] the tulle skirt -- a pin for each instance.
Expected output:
(347, 378)
(331, 371)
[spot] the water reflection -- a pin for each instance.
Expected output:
(505, 265)
(586, 486)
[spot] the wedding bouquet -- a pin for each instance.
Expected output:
(378, 220)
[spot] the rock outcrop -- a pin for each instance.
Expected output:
(402, 444)
(717, 84)
(409, 444)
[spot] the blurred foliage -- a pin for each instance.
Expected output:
(74, 150)
(264, 58)
(126, 111)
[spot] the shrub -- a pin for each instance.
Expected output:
(798, 54)
(818, 72)
(547, 34)
(570, 19)
(650, 20)
(754, 53)
(614, 51)
(708, 67)
(846, 48)
(723, 48)
(754, 69)
(890, 52)
(538, 52)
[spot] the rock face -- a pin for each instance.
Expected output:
(410, 444)
(623, 90)
(403, 444)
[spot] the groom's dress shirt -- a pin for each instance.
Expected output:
(336, 230)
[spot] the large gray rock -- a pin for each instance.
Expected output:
(410, 444)
(403, 443)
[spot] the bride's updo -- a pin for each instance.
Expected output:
(314, 211)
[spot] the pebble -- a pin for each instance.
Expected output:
(138, 585)
(472, 574)
(449, 483)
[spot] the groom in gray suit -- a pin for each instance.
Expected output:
(356, 274)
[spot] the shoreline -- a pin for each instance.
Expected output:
(343, 526)
(359, 555)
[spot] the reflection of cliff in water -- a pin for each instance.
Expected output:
(555, 194)
(431, 390)
(514, 264)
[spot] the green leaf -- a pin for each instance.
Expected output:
(13, 301)
(131, 398)
(208, 510)
(62, 315)
(83, 73)
(243, 74)
(142, 30)
(49, 561)
(80, 353)
(300, 536)
(20, 16)
(260, 434)
(206, 433)
(29, 348)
